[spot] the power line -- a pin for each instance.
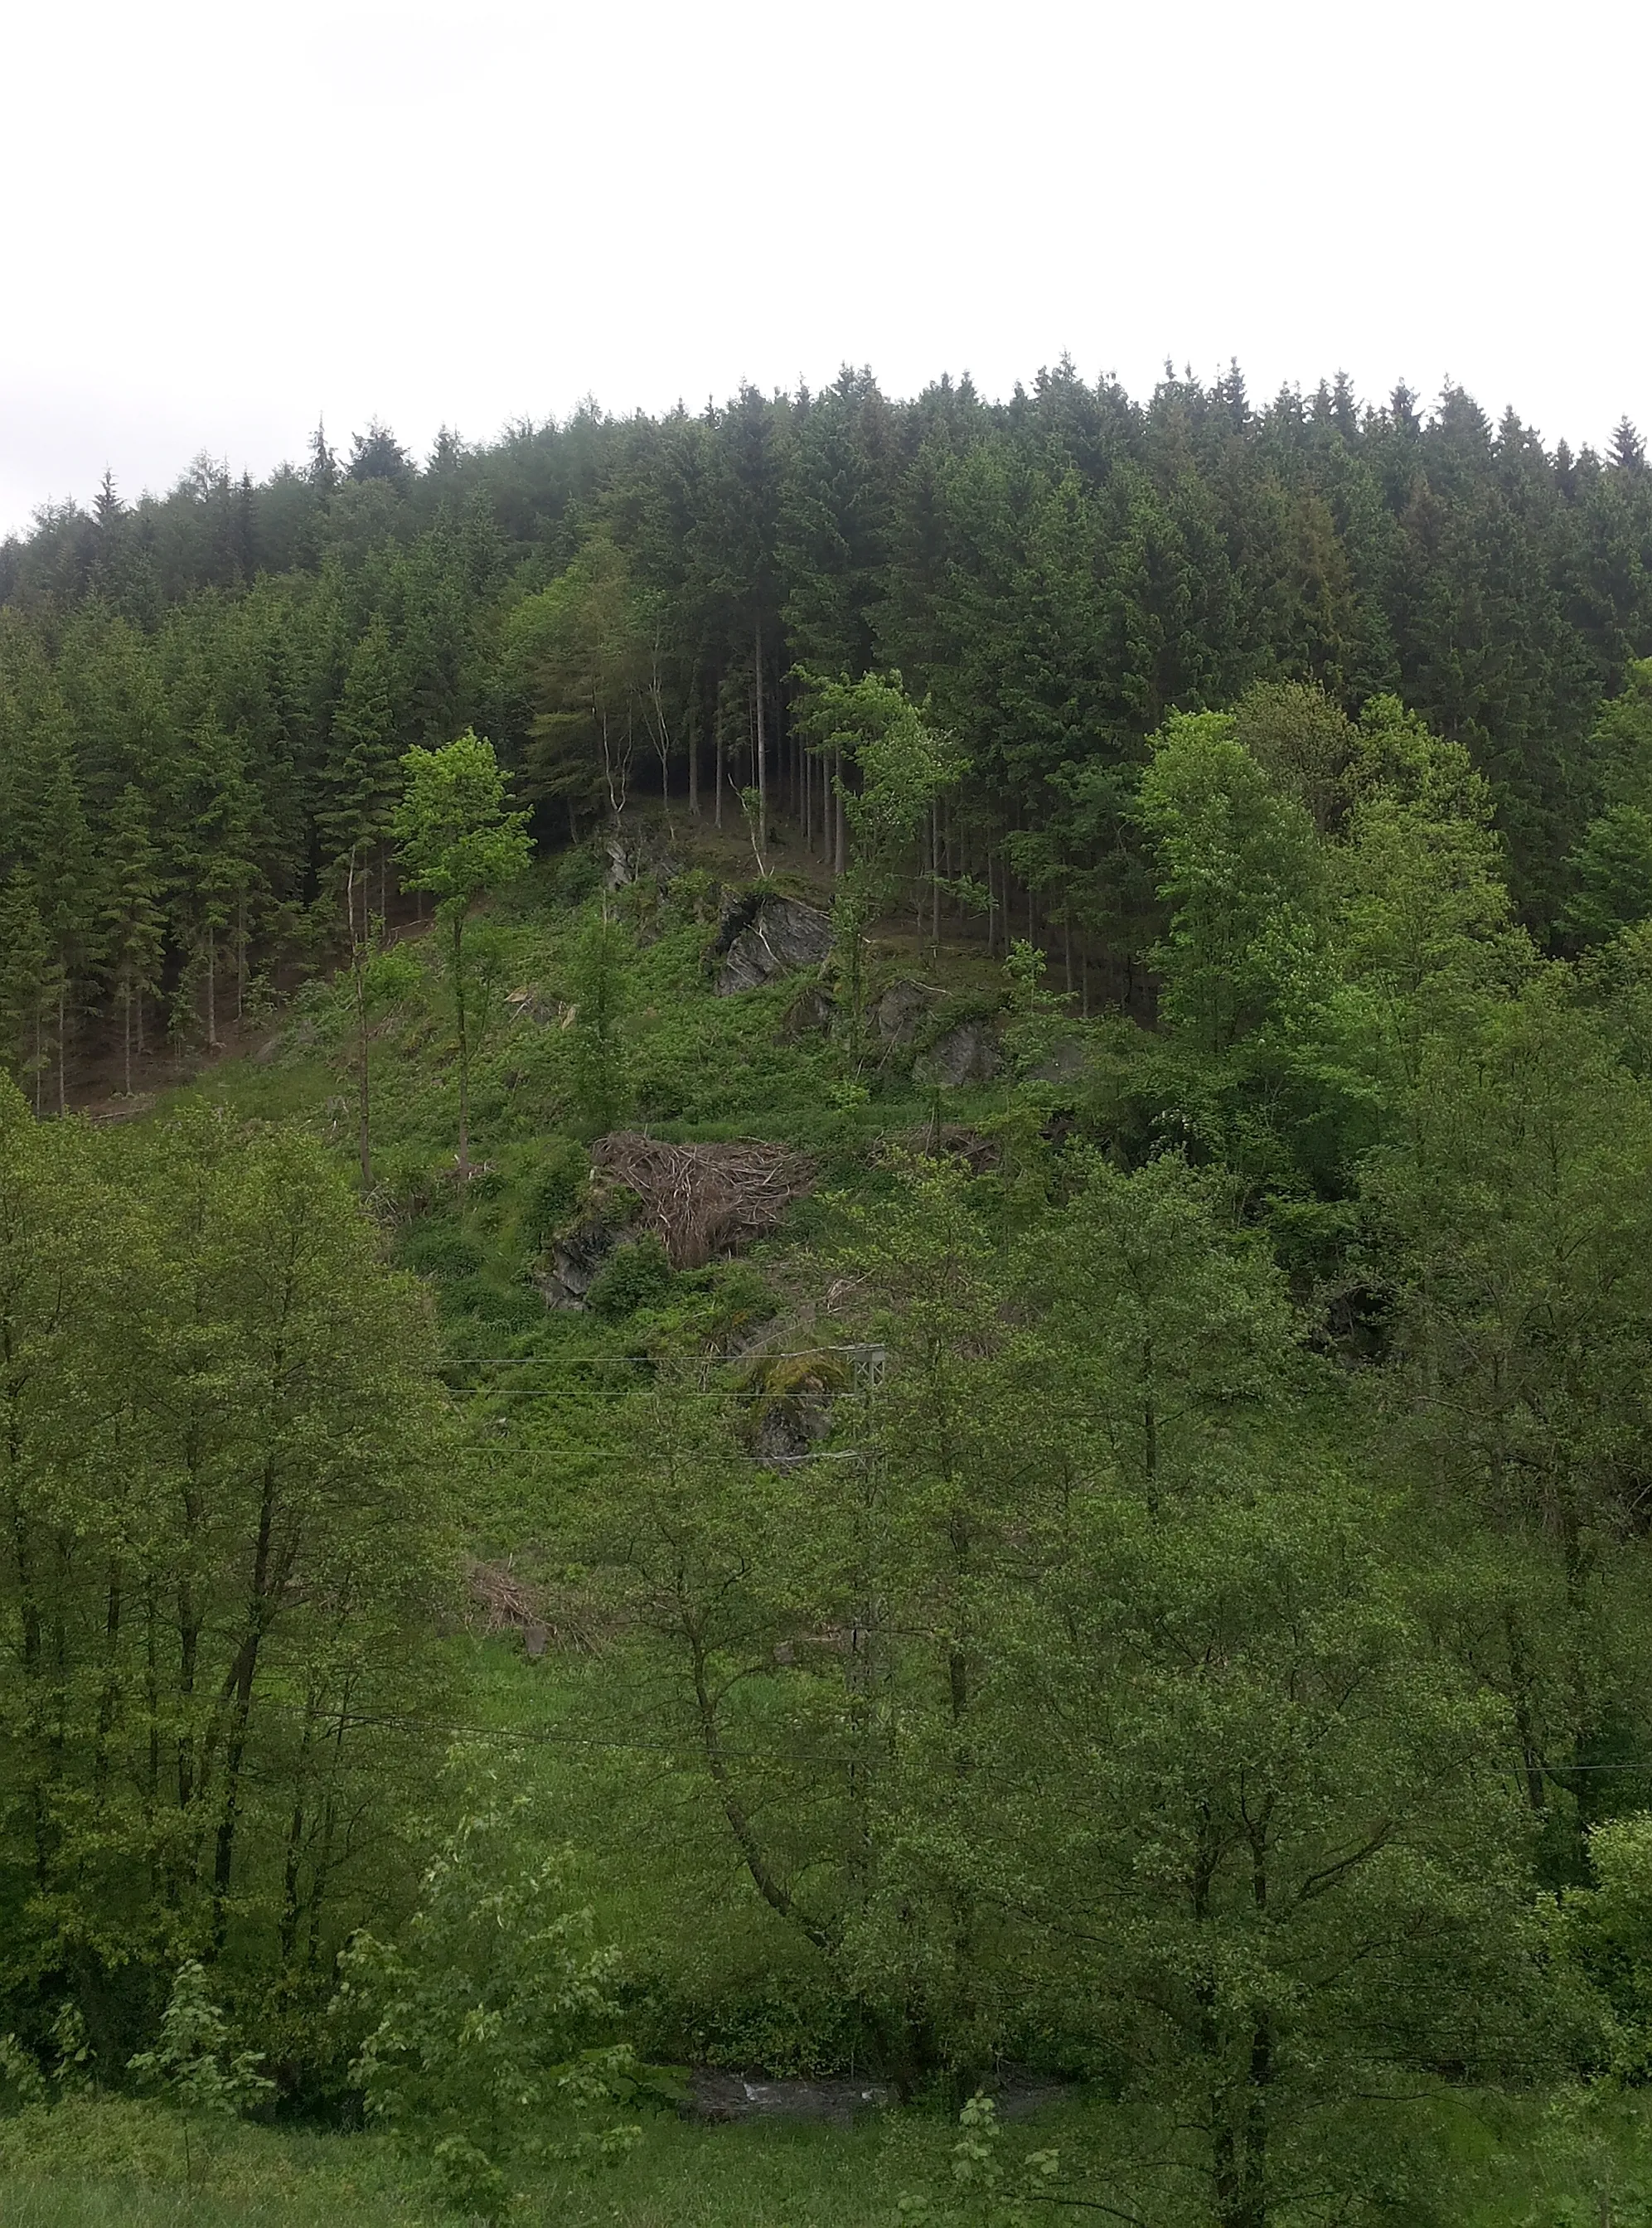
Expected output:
(657, 1360)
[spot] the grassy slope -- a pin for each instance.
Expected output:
(701, 1067)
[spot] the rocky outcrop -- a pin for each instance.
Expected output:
(900, 1012)
(577, 1259)
(763, 934)
(636, 854)
(967, 1053)
(809, 1014)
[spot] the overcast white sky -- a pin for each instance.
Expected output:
(223, 218)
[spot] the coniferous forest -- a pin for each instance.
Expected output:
(826, 1322)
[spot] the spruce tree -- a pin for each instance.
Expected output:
(133, 921)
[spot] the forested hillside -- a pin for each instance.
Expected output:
(203, 699)
(826, 1285)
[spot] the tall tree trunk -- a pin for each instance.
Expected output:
(839, 832)
(63, 1040)
(762, 749)
(109, 1698)
(935, 877)
(717, 770)
(126, 1038)
(363, 1128)
(465, 1050)
(212, 989)
(265, 1592)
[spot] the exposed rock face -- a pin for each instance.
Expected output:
(965, 1053)
(577, 1257)
(634, 854)
(809, 1013)
(899, 1010)
(764, 935)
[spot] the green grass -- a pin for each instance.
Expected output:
(112, 2161)
(1506, 2161)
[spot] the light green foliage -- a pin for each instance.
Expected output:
(1036, 1012)
(903, 763)
(1426, 926)
(458, 841)
(485, 2047)
(194, 2063)
(600, 980)
(984, 2192)
(1605, 1929)
(218, 1447)
(1245, 880)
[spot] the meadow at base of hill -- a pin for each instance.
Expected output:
(1488, 2160)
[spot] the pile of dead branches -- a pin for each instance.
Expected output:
(546, 1616)
(704, 1200)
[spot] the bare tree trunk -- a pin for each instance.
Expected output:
(465, 1050)
(717, 808)
(840, 834)
(363, 1129)
(935, 877)
(63, 1039)
(212, 989)
(694, 766)
(126, 1039)
(762, 750)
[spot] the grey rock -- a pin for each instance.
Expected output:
(900, 1009)
(965, 1053)
(763, 936)
(809, 1013)
(577, 1260)
(636, 854)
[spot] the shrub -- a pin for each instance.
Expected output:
(635, 1276)
(555, 1193)
(440, 1251)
